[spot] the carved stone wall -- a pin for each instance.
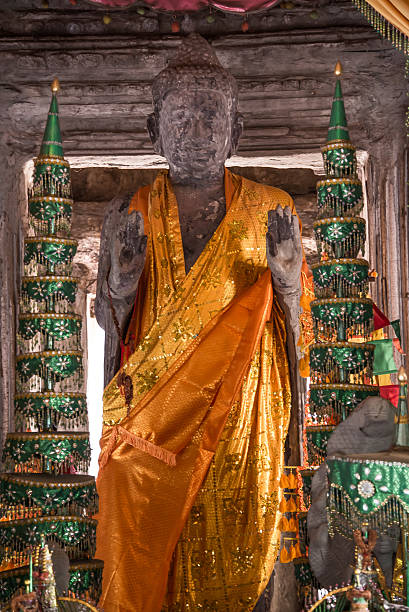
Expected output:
(284, 67)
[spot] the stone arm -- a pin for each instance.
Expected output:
(121, 261)
(284, 257)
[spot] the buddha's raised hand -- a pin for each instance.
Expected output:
(121, 261)
(284, 251)
(128, 251)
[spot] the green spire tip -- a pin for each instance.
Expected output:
(52, 144)
(338, 128)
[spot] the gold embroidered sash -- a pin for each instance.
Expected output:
(209, 346)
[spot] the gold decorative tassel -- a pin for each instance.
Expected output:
(283, 524)
(291, 505)
(381, 25)
(292, 480)
(284, 481)
(284, 555)
(292, 525)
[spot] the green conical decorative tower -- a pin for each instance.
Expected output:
(46, 493)
(341, 366)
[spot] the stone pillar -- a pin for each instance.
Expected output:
(388, 231)
(12, 213)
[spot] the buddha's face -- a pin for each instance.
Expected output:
(195, 132)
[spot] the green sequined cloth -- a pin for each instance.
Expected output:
(317, 439)
(334, 361)
(374, 489)
(51, 176)
(23, 494)
(340, 237)
(337, 197)
(54, 364)
(339, 160)
(48, 452)
(67, 410)
(349, 277)
(76, 535)
(333, 402)
(58, 326)
(48, 294)
(354, 314)
(54, 254)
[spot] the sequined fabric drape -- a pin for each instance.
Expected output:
(189, 478)
(234, 6)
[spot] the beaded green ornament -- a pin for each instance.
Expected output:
(59, 410)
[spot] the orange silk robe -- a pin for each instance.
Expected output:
(189, 473)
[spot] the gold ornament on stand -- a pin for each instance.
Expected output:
(46, 581)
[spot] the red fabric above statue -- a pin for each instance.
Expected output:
(234, 6)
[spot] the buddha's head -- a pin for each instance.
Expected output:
(195, 123)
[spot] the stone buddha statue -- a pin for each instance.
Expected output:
(198, 293)
(196, 127)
